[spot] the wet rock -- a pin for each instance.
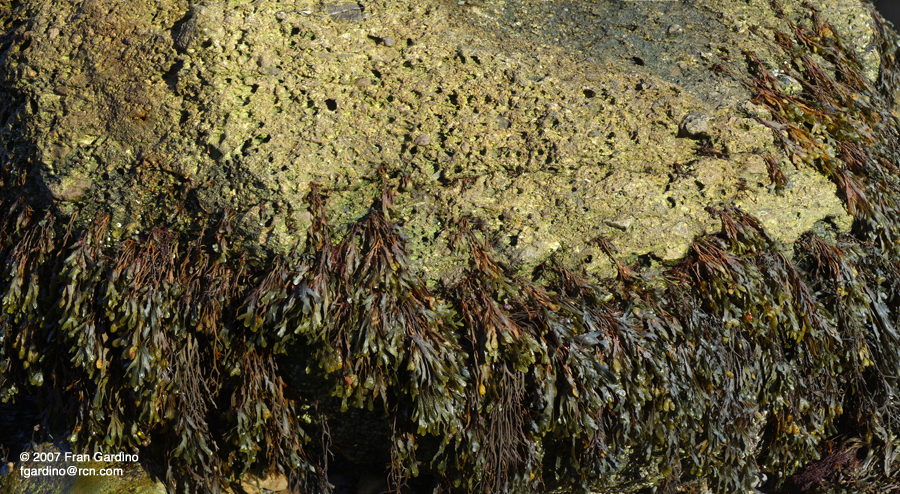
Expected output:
(788, 84)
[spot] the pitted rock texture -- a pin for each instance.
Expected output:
(553, 122)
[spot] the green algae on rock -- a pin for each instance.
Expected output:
(551, 144)
(175, 335)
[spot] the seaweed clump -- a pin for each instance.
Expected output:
(740, 360)
(126, 346)
(847, 126)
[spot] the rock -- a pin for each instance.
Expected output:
(371, 484)
(696, 124)
(422, 140)
(273, 482)
(253, 120)
(788, 84)
(168, 115)
(72, 190)
(349, 11)
(621, 223)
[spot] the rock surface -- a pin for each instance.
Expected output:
(552, 122)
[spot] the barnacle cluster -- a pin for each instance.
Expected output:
(742, 358)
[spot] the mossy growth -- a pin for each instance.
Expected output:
(742, 358)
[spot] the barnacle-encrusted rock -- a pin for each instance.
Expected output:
(493, 246)
(215, 104)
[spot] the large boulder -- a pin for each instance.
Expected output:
(488, 245)
(554, 124)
